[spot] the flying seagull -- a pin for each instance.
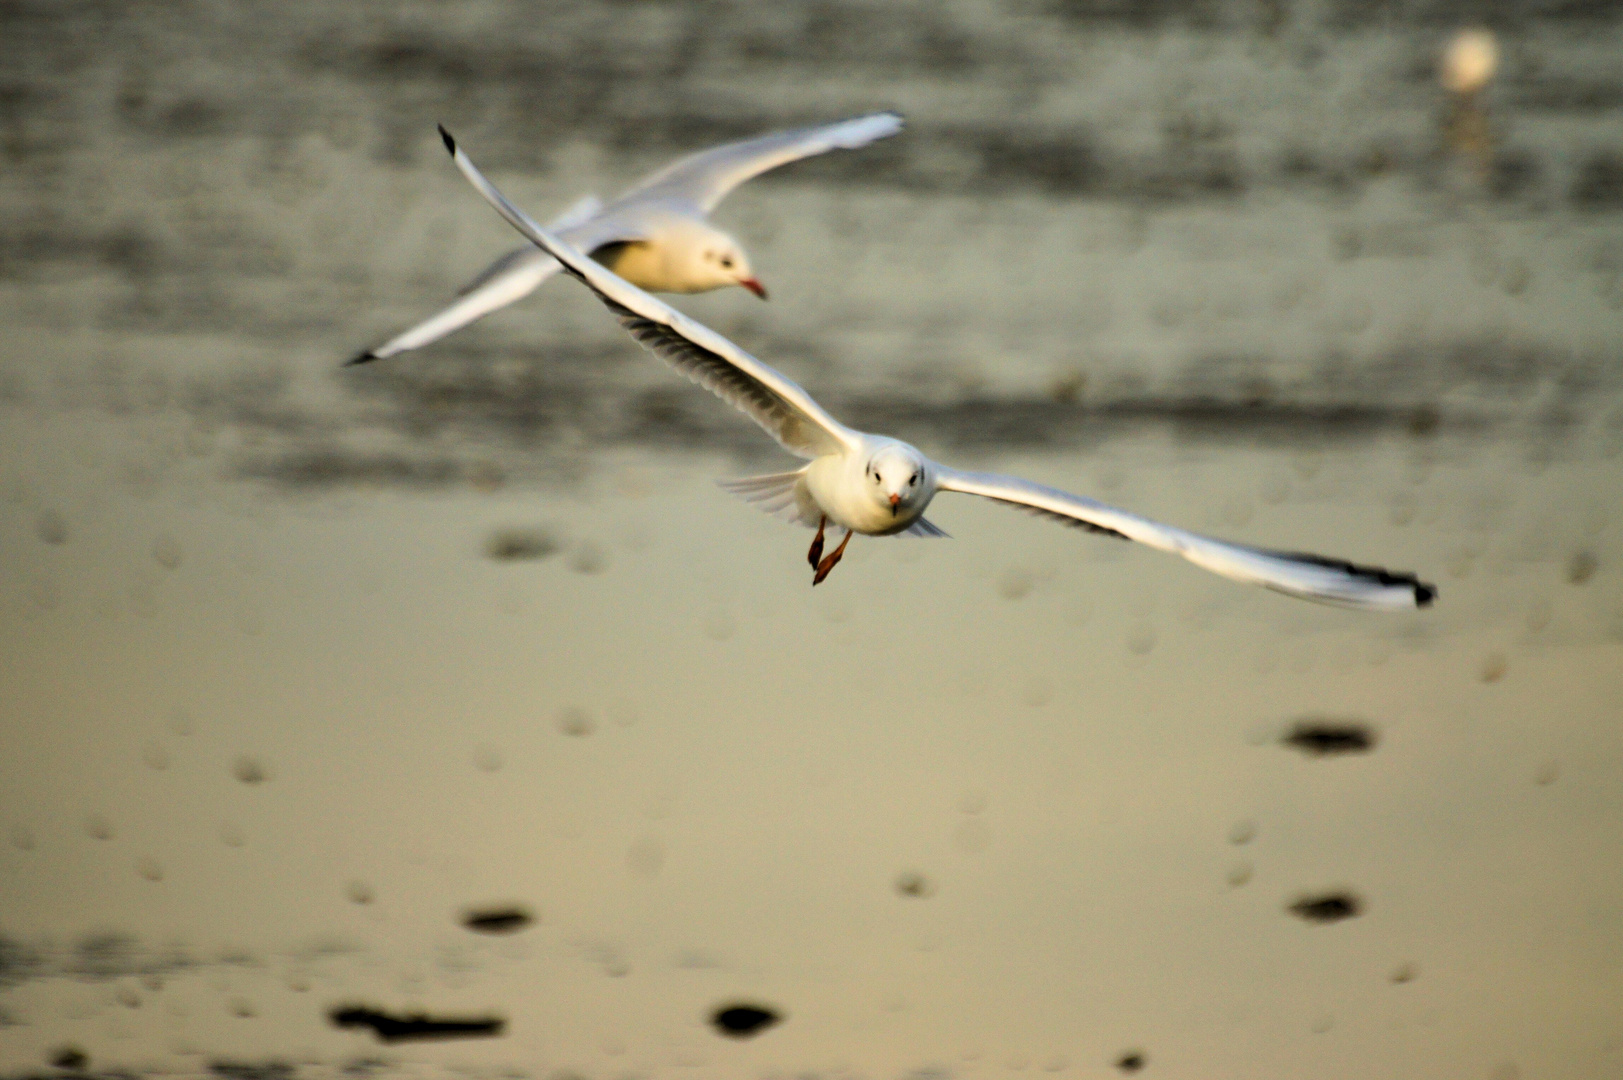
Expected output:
(655, 235)
(879, 486)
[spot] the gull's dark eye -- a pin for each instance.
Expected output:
(726, 262)
(911, 480)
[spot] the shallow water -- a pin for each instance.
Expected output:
(307, 664)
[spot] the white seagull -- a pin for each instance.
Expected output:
(880, 486)
(656, 235)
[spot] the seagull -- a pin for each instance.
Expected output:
(655, 235)
(880, 486)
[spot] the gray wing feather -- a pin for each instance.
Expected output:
(783, 495)
(720, 376)
(925, 528)
(702, 180)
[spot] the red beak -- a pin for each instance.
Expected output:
(753, 286)
(895, 501)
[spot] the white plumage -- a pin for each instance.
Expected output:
(881, 486)
(656, 235)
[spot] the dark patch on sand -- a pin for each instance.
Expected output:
(743, 1021)
(520, 545)
(253, 1070)
(1599, 183)
(914, 884)
(1564, 93)
(1327, 907)
(416, 1027)
(504, 919)
(1327, 738)
(334, 467)
(70, 1058)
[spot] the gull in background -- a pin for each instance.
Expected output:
(880, 486)
(656, 235)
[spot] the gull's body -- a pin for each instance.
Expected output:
(881, 486)
(657, 235)
(837, 485)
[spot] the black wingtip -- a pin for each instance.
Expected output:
(1424, 592)
(361, 358)
(450, 143)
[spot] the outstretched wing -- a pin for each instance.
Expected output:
(1312, 577)
(511, 277)
(584, 210)
(704, 179)
(772, 399)
(581, 211)
(510, 261)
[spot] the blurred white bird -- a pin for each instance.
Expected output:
(881, 486)
(655, 235)
(1469, 61)
(1467, 65)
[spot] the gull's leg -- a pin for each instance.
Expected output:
(816, 551)
(832, 560)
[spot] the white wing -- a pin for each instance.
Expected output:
(704, 179)
(511, 260)
(585, 209)
(772, 399)
(511, 277)
(1311, 577)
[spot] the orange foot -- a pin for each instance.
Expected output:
(816, 551)
(831, 561)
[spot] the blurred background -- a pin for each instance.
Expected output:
(450, 690)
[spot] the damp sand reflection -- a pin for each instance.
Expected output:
(449, 696)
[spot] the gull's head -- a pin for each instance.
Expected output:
(896, 477)
(714, 260)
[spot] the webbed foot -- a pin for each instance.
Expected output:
(831, 560)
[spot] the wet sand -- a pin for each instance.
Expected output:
(306, 664)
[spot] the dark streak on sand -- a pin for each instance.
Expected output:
(1324, 738)
(415, 1027)
(70, 1058)
(508, 919)
(743, 1021)
(1327, 907)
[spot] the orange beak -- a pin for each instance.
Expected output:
(753, 286)
(895, 501)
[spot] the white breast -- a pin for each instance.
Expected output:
(839, 486)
